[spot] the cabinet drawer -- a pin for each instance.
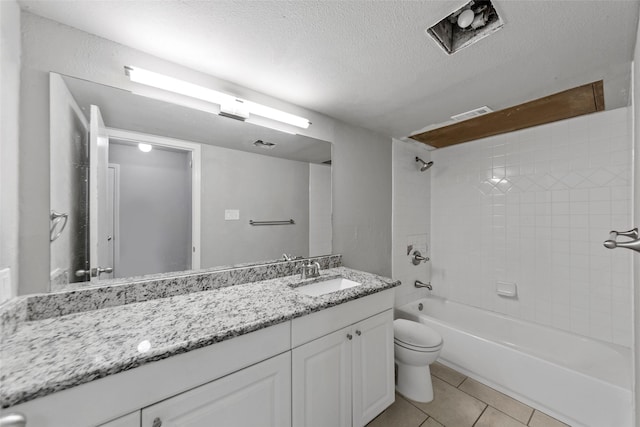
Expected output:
(259, 395)
(308, 328)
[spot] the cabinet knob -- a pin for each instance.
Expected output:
(358, 333)
(13, 420)
(157, 422)
(349, 336)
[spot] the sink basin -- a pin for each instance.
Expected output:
(327, 286)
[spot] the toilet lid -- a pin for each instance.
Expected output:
(415, 334)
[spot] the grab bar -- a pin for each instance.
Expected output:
(55, 218)
(284, 222)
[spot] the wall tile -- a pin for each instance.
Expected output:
(533, 207)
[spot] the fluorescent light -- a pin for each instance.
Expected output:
(145, 148)
(161, 81)
(171, 84)
(270, 124)
(280, 116)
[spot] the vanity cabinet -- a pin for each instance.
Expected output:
(256, 396)
(131, 420)
(344, 378)
(305, 372)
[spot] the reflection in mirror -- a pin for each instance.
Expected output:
(146, 186)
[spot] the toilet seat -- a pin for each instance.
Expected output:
(416, 336)
(419, 349)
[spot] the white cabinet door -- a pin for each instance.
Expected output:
(259, 395)
(373, 367)
(321, 381)
(131, 420)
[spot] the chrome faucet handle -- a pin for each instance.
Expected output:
(316, 269)
(417, 258)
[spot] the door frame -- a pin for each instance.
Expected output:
(115, 213)
(196, 172)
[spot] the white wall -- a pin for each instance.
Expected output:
(411, 218)
(262, 188)
(9, 135)
(534, 207)
(319, 209)
(154, 210)
(361, 158)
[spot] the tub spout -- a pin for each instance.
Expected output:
(419, 284)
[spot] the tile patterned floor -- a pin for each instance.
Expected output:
(462, 402)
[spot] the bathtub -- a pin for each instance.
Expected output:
(580, 381)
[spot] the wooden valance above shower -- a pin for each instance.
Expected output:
(574, 102)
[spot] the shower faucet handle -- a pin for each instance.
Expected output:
(417, 258)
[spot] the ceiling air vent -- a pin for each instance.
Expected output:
(471, 114)
(465, 26)
(264, 144)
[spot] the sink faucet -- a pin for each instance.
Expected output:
(309, 270)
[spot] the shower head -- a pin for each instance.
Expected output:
(423, 165)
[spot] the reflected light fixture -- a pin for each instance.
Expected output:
(145, 148)
(230, 106)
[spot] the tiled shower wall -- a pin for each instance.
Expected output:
(533, 208)
(411, 218)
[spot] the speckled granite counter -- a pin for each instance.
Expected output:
(44, 356)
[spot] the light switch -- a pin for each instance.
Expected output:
(231, 214)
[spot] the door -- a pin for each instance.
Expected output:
(373, 367)
(98, 219)
(321, 381)
(259, 395)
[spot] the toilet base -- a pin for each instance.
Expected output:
(414, 382)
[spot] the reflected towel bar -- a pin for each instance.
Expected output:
(285, 222)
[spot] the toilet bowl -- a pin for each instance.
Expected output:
(416, 346)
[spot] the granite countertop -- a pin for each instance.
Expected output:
(49, 355)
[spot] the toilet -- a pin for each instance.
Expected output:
(416, 346)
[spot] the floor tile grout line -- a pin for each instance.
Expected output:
(531, 416)
(505, 395)
(480, 416)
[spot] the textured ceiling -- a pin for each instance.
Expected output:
(370, 63)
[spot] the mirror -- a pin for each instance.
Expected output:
(141, 186)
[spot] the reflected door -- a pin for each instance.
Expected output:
(99, 238)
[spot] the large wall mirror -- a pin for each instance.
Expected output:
(140, 186)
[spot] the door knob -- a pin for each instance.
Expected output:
(94, 272)
(101, 270)
(634, 244)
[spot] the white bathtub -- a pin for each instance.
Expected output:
(583, 382)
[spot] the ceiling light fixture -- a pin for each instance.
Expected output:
(230, 106)
(145, 148)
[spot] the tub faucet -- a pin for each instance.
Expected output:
(419, 284)
(309, 270)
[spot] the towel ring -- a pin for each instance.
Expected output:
(56, 218)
